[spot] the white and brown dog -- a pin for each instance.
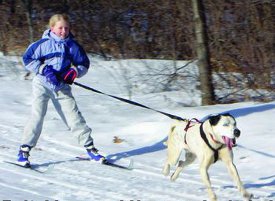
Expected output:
(208, 141)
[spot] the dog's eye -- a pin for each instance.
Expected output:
(226, 124)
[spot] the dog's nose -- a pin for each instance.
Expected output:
(237, 132)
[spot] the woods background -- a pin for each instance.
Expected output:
(241, 33)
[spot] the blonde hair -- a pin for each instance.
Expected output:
(57, 17)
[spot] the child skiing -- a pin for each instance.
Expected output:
(56, 60)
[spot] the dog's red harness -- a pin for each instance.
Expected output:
(188, 125)
(193, 120)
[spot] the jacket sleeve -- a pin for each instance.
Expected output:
(80, 60)
(32, 57)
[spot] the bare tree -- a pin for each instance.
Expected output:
(28, 6)
(207, 90)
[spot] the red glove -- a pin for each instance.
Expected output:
(69, 75)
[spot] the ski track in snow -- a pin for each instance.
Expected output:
(79, 179)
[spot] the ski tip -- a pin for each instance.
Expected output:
(26, 165)
(36, 168)
(131, 165)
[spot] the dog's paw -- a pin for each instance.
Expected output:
(212, 195)
(174, 176)
(248, 196)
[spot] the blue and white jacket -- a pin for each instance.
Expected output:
(61, 54)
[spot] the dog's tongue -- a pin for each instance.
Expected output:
(228, 141)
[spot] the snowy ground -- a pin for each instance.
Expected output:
(143, 132)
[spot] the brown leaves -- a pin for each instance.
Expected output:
(117, 140)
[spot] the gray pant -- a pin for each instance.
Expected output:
(66, 107)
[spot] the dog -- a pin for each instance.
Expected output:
(208, 141)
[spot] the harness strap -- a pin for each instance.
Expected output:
(188, 125)
(130, 102)
(189, 122)
(216, 151)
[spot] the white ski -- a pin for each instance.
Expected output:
(127, 165)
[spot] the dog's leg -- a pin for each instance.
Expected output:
(189, 158)
(166, 169)
(227, 157)
(236, 178)
(204, 166)
(172, 159)
(174, 149)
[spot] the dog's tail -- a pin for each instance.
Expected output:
(171, 131)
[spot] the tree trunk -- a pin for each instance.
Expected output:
(28, 7)
(205, 71)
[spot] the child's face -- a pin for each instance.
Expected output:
(61, 29)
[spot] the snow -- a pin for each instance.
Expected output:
(142, 132)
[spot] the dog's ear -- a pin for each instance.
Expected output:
(214, 119)
(227, 114)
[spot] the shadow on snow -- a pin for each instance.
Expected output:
(159, 145)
